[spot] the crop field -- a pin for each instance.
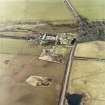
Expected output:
(32, 10)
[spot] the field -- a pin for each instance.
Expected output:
(13, 46)
(18, 61)
(87, 76)
(33, 10)
(92, 9)
(91, 49)
(19, 58)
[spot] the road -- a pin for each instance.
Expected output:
(71, 55)
(67, 74)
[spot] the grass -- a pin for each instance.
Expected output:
(18, 33)
(88, 77)
(13, 46)
(49, 10)
(91, 49)
(32, 11)
(92, 9)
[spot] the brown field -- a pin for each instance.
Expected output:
(20, 62)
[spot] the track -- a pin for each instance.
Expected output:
(89, 58)
(73, 10)
(18, 37)
(67, 74)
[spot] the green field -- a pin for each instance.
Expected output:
(13, 46)
(32, 10)
(87, 77)
(92, 9)
(91, 49)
